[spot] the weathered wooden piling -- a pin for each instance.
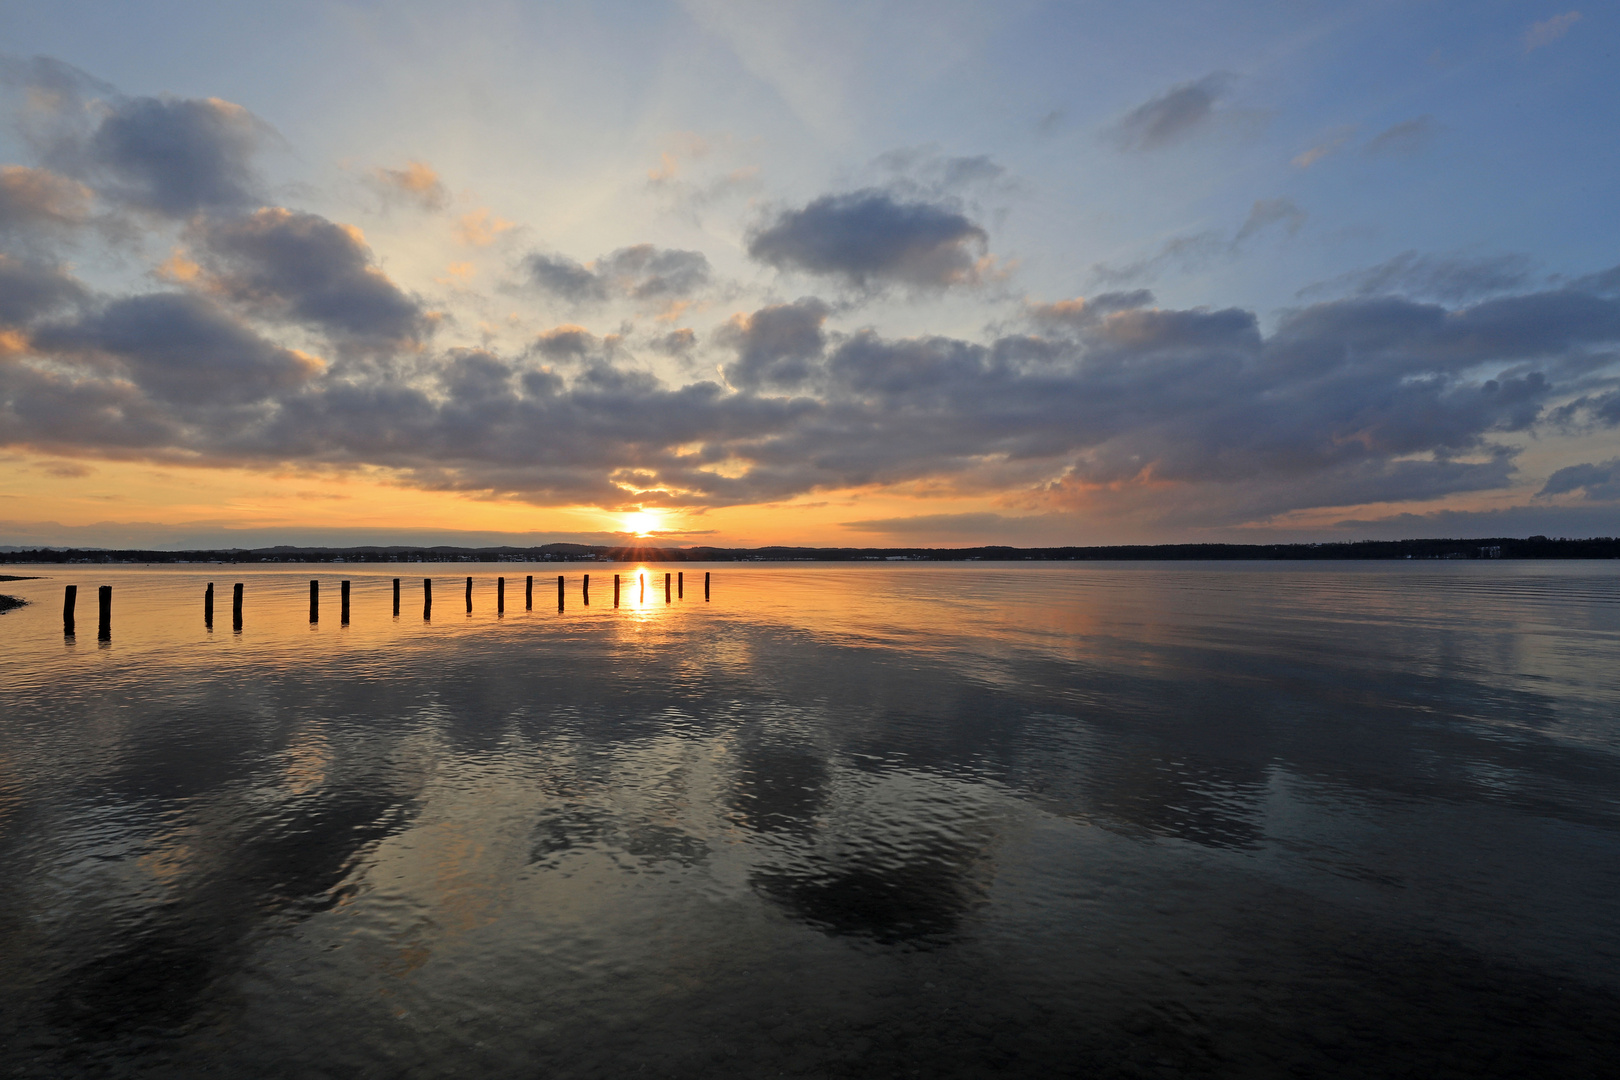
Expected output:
(528, 593)
(104, 597)
(314, 601)
(585, 590)
(344, 616)
(615, 590)
(469, 596)
(666, 588)
(208, 606)
(680, 585)
(705, 584)
(69, 601)
(559, 592)
(500, 596)
(236, 606)
(643, 594)
(396, 598)
(427, 598)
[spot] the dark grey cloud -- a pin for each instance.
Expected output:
(641, 272)
(1450, 279)
(1408, 137)
(567, 343)
(870, 237)
(1172, 116)
(168, 155)
(29, 290)
(678, 342)
(776, 346)
(177, 348)
(1599, 482)
(303, 267)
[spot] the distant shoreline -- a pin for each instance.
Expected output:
(1533, 547)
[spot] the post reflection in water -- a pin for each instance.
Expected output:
(961, 820)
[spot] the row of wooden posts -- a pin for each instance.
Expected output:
(105, 599)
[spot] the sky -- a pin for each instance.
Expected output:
(866, 274)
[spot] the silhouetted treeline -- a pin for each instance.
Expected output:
(1534, 547)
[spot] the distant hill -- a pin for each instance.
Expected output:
(1533, 547)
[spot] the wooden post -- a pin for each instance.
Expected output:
(68, 602)
(396, 598)
(643, 578)
(586, 590)
(427, 598)
(314, 601)
(705, 584)
(344, 617)
(500, 596)
(104, 595)
(666, 588)
(559, 592)
(208, 606)
(236, 606)
(469, 596)
(615, 590)
(528, 593)
(680, 585)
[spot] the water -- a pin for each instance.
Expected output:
(915, 820)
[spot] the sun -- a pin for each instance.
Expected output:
(642, 522)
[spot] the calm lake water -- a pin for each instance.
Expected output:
(881, 820)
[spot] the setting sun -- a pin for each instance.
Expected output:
(642, 522)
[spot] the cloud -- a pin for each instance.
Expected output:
(678, 342)
(641, 272)
(34, 200)
(416, 183)
(1267, 212)
(1406, 138)
(568, 342)
(29, 290)
(182, 350)
(1190, 252)
(176, 156)
(1192, 416)
(166, 155)
(1452, 279)
(775, 346)
(869, 238)
(1082, 312)
(480, 228)
(1544, 33)
(1598, 483)
(1328, 146)
(1172, 116)
(304, 267)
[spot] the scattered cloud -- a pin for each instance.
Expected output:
(481, 227)
(1327, 147)
(416, 184)
(1268, 212)
(1544, 33)
(1451, 279)
(1172, 116)
(641, 272)
(870, 238)
(1406, 138)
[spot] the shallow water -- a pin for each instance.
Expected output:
(960, 820)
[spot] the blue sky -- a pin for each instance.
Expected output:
(866, 273)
